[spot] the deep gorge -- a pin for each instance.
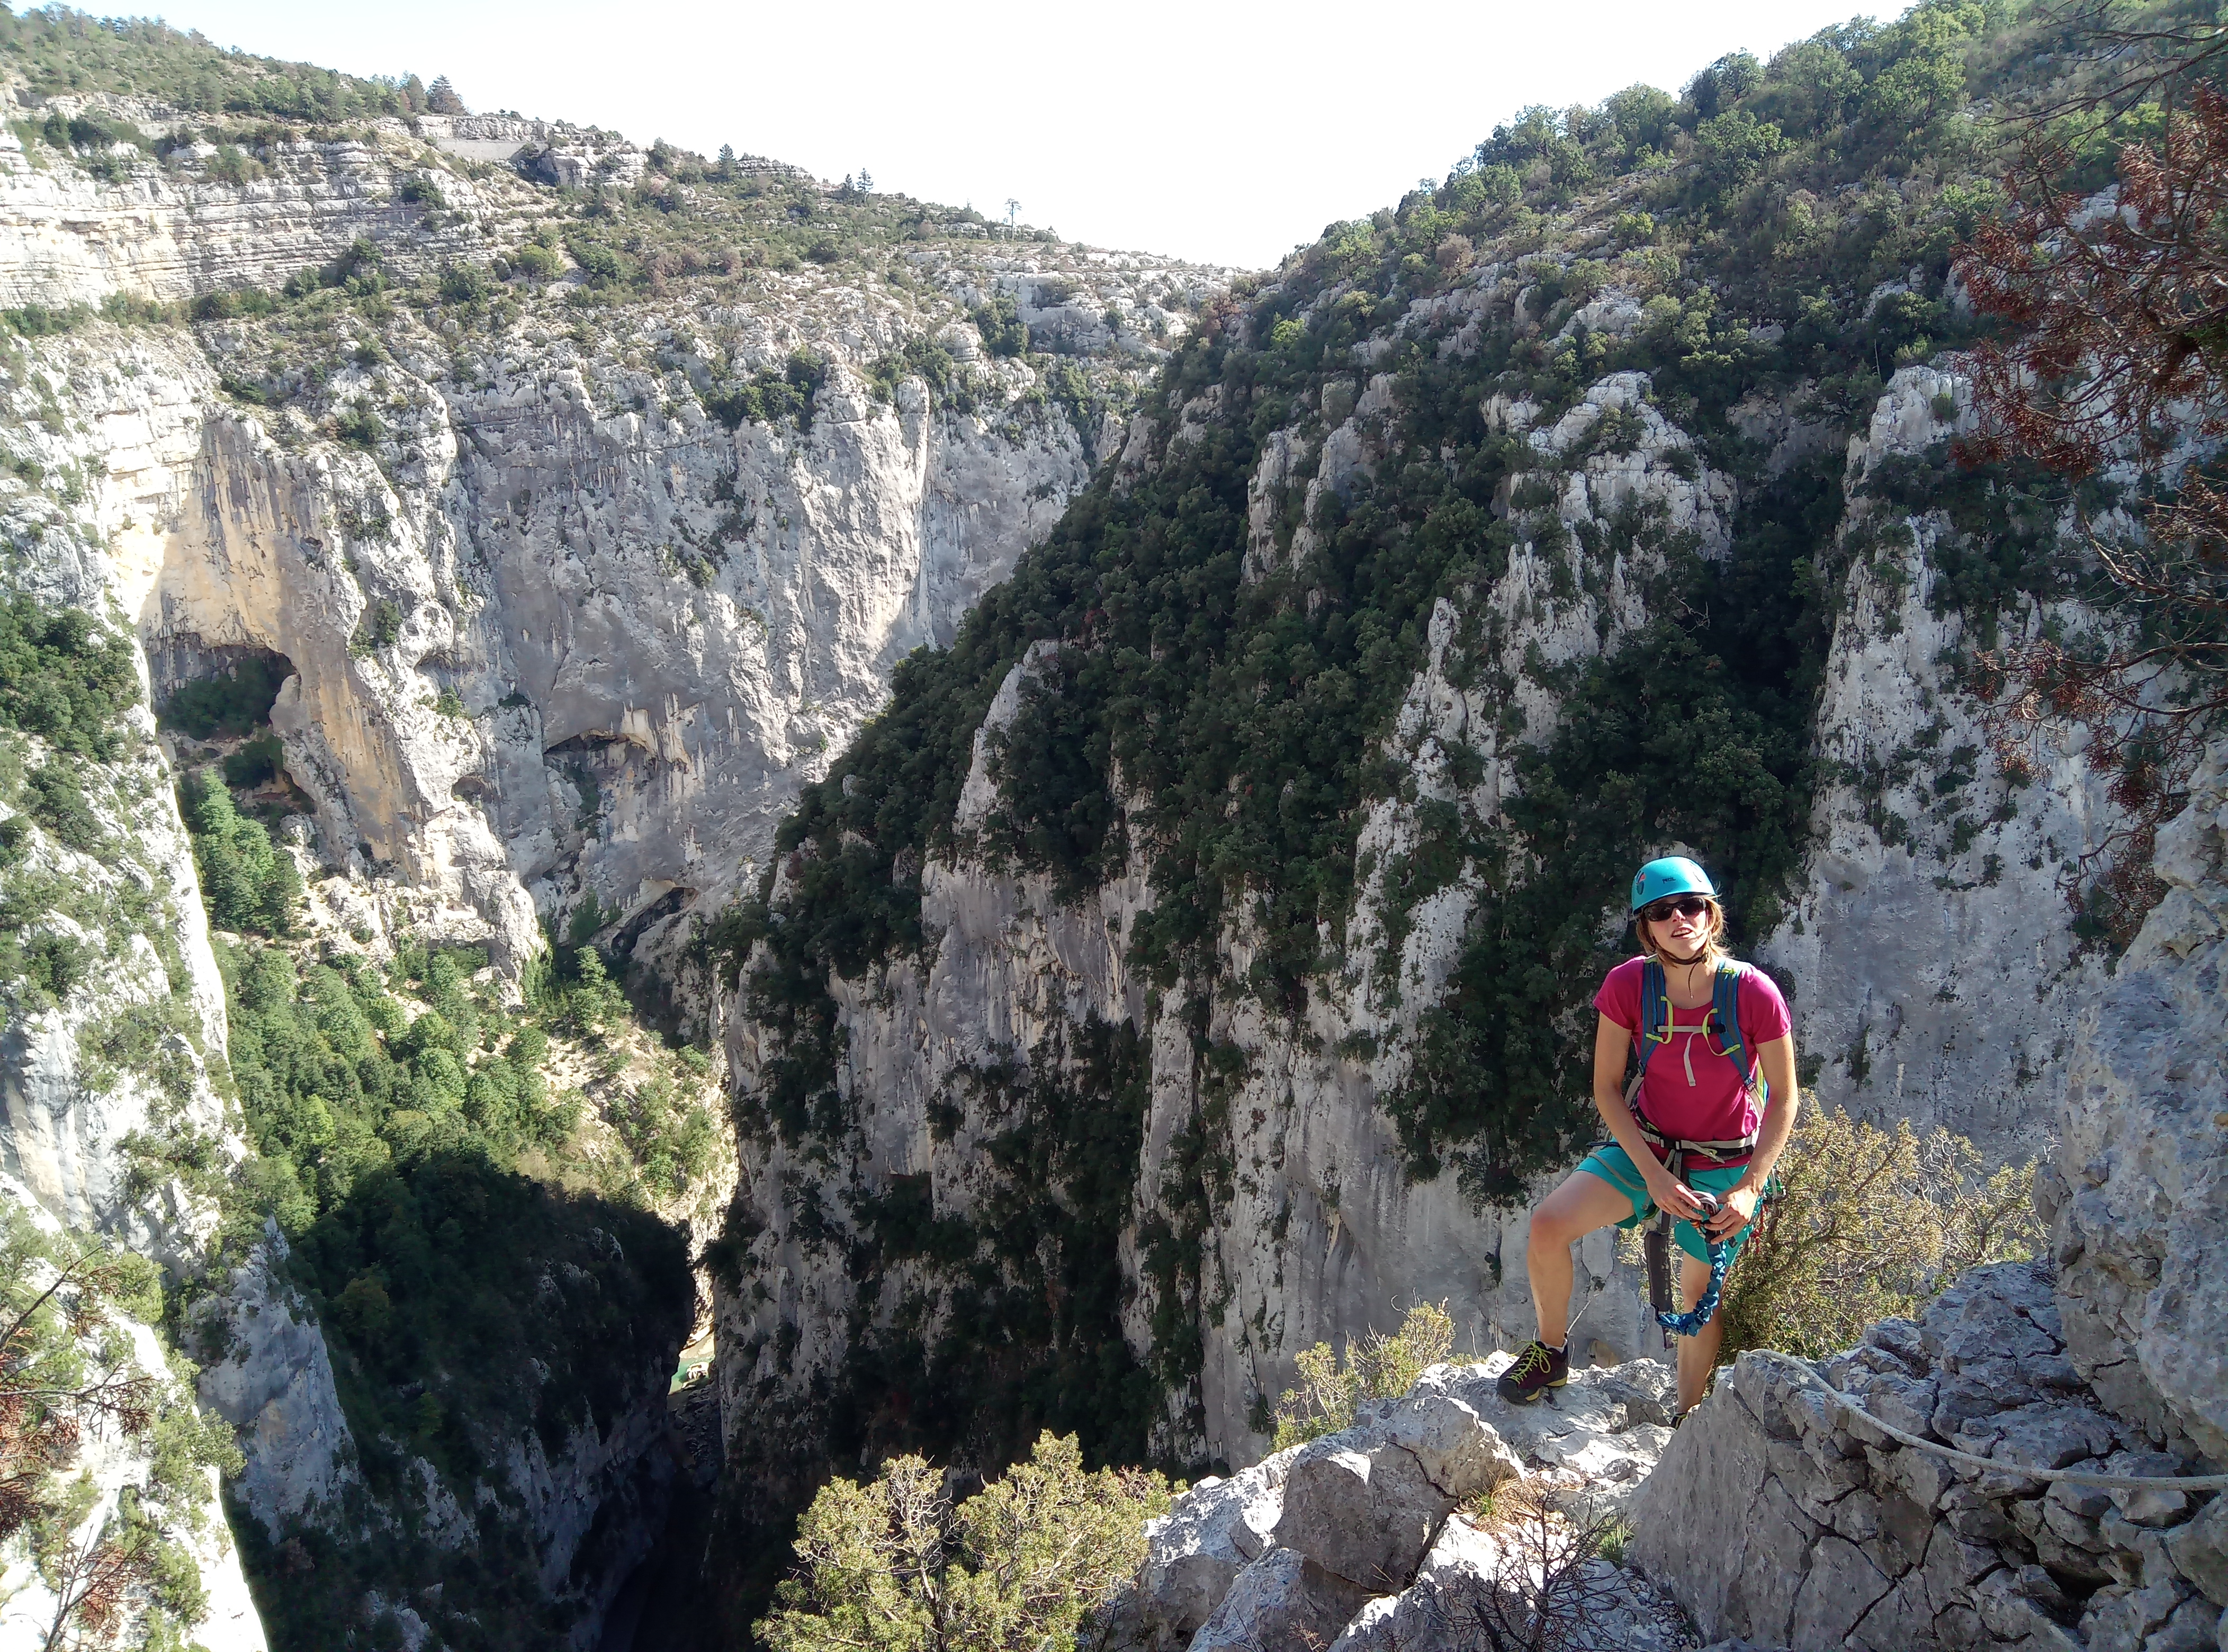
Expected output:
(1007, 836)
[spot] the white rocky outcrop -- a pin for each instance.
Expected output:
(1775, 1520)
(267, 1371)
(1776, 1515)
(2138, 1197)
(113, 1461)
(1409, 1527)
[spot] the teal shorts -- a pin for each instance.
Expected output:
(1612, 1164)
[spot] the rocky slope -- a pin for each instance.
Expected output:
(1444, 1518)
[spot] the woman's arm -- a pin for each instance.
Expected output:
(1612, 1044)
(1778, 1060)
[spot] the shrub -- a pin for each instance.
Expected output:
(381, 627)
(1383, 1367)
(466, 284)
(239, 301)
(999, 323)
(232, 166)
(1021, 1566)
(1872, 1224)
(62, 677)
(259, 760)
(57, 803)
(770, 396)
(539, 263)
(360, 427)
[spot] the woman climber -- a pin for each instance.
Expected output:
(1695, 1133)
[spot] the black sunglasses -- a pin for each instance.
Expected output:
(1662, 912)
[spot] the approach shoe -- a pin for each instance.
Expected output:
(1538, 1368)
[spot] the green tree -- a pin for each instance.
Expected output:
(249, 883)
(1382, 1368)
(62, 677)
(893, 1566)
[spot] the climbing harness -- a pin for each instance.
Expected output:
(1659, 1024)
(2070, 1477)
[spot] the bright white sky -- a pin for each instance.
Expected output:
(1226, 130)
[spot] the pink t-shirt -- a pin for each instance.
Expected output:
(1714, 1106)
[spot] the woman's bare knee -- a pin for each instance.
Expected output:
(1572, 1211)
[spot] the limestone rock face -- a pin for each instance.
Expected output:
(179, 231)
(1381, 1536)
(274, 1383)
(559, 634)
(2138, 1196)
(1934, 968)
(1776, 1516)
(114, 1466)
(1195, 1551)
(1366, 1515)
(1283, 1599)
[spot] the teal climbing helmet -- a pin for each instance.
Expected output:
(1675, 874)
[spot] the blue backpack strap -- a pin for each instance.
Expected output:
(1724, 1007)
(1654, 1009)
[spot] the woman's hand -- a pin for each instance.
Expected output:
(1672, 1195)
(1735, 1210)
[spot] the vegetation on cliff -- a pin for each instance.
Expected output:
(110, 1555)
(1768, 248)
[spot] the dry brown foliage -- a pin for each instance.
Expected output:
(2118, 352)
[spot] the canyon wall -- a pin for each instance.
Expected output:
(1930, 966)
(552, 636)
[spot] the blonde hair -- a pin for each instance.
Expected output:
(1713, 946)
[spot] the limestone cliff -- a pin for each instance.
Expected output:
(576, 550)
(1321, 1229)
(1197, 952)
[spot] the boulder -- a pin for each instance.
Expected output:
(1454, 1448)
(1282, 1602)
(2199, 1550)
(1362, 1508)
(1777, 1516)
(1605, 1430)
(1195, 1551)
